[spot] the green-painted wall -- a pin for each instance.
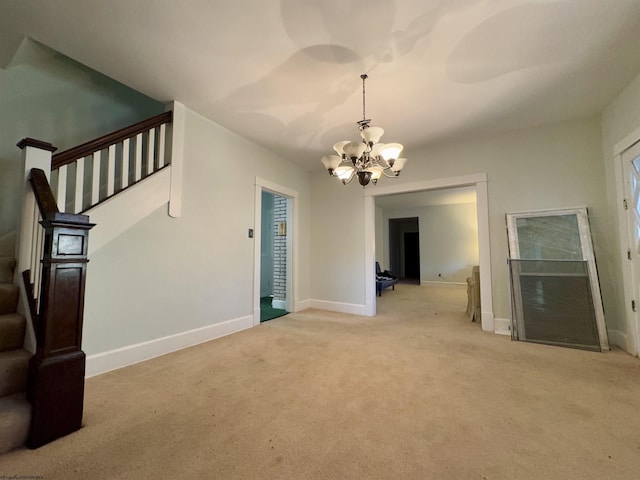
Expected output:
(47, 96)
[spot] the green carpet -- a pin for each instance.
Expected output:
(267, 312)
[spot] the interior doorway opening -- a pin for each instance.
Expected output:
(479, 182)
(273, 256)
(404, 248)
(284, 235)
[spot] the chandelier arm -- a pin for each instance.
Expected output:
(347, 182)
(389, 175)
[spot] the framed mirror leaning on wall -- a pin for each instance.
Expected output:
(555, 291)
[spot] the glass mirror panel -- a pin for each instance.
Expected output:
(549, 238)
(554, 281)
(552, 303)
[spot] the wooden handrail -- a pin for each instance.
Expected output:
(43, 194)
(71, 155)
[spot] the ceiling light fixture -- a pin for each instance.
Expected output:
(366, 159)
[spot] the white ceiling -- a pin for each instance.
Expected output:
(285, 73)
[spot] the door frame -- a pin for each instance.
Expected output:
(292, 243)
(629, 339)
(479, 181)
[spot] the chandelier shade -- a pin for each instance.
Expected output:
(371, 135)
(390, 152)
(398, 165)
(344, 171)
(339, 147)
(354, 150)
(366, 159)
(331, 162)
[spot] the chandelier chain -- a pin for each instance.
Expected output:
(364, 115)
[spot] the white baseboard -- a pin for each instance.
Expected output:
(122, 357)
(302, 305)
(442, 284)
(622, 340)
(502, 326)
(351, 308)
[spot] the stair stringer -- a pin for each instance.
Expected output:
(122, 211)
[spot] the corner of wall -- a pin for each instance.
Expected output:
(177, 144)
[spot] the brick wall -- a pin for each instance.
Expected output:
(280, 248)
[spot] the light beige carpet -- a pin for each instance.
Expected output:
(416, 392)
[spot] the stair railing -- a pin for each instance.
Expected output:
(52, 257)
(30, 251)
(53, 260)
(55, 386)
(52, 250)
(89, 174)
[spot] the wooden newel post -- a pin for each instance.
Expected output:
(56, 371)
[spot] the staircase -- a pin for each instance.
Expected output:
(15, 410)
(42, 365)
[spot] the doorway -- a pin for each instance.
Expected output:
(273, 256)
(404, 248)
(274, 235)
(412, 256)
(630, 159)
(479, 181)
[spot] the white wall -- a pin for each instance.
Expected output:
(381, 248)
(165, 276)
(47, 96)
(552, 166)
(448, 240)
(337, 236)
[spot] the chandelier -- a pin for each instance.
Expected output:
(366, 159)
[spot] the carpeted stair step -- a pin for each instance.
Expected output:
(7, 264)
(8, 298)
(15, 415)
(12, 328)
(13, 371)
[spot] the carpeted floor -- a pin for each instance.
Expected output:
(267, 312)
(417, 392)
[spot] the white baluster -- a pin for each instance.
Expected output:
(62, 188)
(95, 184)
(138, 158)
(125, 164)
(26, 230)
(163, 132)
(111, 170)
(77, 207)
(151, 149)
